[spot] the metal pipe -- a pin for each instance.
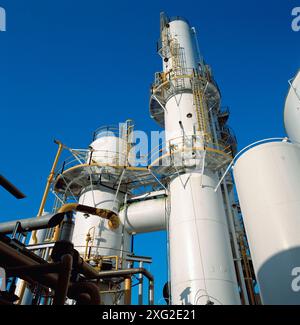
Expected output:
(32, 271)
(247, 271)
(13, 258)
(140, 294)
(11, 188)
(127, 291)
(67, 227)
(103, 213)
(235, 244)
(62, 285)
(148, 275)
(85, 293)
(47, 188)
(45, 221)
(151, 292)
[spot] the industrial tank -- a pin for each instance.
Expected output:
(268, 185)
(292, 110)
(201, 265)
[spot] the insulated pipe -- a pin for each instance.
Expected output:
(45, 221)
(144, 216)
(113, 219)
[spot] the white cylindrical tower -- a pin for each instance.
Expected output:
(201, 261)
(292, 110)
(107, 149)
(268, 185)
(104, 240)
(94, 238)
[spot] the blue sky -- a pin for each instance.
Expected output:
(68, 67)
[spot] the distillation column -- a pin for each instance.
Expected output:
(201, 262)
(94, 237)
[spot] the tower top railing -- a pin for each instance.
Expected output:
(106, 130)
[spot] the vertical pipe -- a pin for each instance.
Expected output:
(151, 292)
(63, 280)
(235, 244)
(127, 291)
(247, 271)
(48, 184)
(140, 294)
(67, 227)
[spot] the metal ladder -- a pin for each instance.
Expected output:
(202, 117)
(177, 63)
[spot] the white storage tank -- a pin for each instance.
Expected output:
(268, 185)
(292, 110)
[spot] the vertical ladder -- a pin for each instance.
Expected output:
(202, 116)
(177, 63)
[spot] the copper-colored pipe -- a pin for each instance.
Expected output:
(127, 291)
(103, 213)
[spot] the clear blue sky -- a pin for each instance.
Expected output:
(70, 66)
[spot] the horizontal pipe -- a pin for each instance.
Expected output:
(11, 188)
(12, 258)
(32, 270)
(125, 272)
(20, 265)
(145, 216)
(45, 221)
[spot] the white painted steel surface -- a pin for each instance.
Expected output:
(181, 31)
(109, 150)
(180, 118)
(145, 216)
(201, 260)
(268, 185)
(106, 241)
(292, 111)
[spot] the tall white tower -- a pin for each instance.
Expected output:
(185, 100)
